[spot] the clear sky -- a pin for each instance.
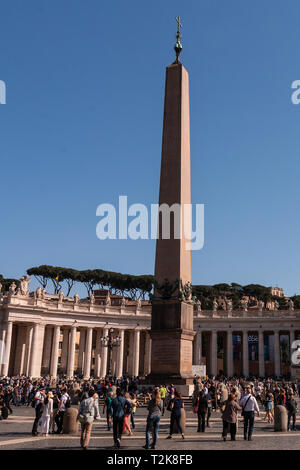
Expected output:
(83, 125)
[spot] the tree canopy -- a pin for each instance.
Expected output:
(235, 292)
(118, 283)
(7, 282)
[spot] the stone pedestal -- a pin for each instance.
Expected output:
(70, 423)
(280, 418)
(172, 343)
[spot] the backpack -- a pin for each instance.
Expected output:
(4, 412)
(127, 408)
(68, 403)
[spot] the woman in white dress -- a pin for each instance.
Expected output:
(44, 423)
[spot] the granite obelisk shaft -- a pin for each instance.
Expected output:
(172, 320)
(173, 260)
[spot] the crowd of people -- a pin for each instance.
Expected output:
(51, 398)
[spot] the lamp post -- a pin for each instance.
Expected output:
(110, 342)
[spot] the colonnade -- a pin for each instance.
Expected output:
(211, 353)
(39, 349)
(36, 349)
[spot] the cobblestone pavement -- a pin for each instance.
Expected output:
(15, 433)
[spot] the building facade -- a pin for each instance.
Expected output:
(46, 334)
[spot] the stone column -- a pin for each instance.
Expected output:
(98, 353)
(104, 352)
(71, 355)
(120, 359)
(198, 348)
(245, 354)
(114, 359)
(29, 331)
(276, 354)
(64, 350)
(54, 355)
(292, 338)
(81, 354)
(261, 354)
(136, 352)
(88, 353)
(47, 349)
(147, 361)
(20, 350)
(213, 354)
(7, 344)
(36, 350)
(229, 354)
(130, 354)
(2, 348)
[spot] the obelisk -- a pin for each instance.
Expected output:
(172, 313)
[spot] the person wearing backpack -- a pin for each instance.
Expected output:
(120, 406)
(4, 412)
(202, 407)
(107, 406)
(65, 402)
(38, 403)
(291, 406)
(88, 411)
(249, 406)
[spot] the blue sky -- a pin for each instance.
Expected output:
(83, 124)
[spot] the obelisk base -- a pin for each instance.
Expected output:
(172, 343)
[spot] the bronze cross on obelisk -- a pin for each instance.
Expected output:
(178, 45)
(179, 25)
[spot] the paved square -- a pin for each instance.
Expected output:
(15, 433)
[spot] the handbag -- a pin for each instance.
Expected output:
(243, 412)
(82, 418)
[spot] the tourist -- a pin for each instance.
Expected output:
(249, 407)
(153, 419)
(213, 393)
(39, 399)
(120, 406)
(44, 423)
(64, 403)
(229, 417)
(108, 408)
(126, 423)
(134, 403)
(55, 410)
(163, 392)
(87, 412)
(268, 407)
(209, 407)
(172, 391)
(8, 398)
(175, 406)
(291, 406)
(202, 407)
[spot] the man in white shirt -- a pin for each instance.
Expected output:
(39, 399)
(61, 410)
(249, 407)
